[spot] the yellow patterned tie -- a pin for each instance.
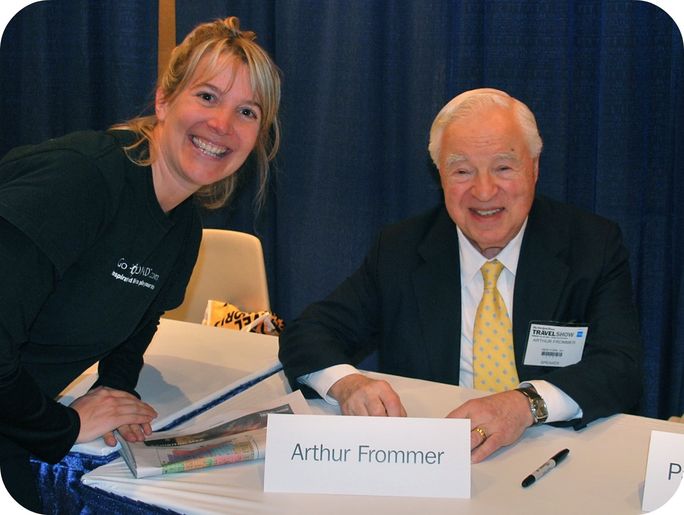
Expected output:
(493, 358)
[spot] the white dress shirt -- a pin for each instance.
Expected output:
(560, 405)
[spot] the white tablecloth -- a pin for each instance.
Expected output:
(603, 474)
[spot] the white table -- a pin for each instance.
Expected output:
(603, 474)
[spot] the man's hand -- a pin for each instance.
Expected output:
(104, 409)
(360, 395)
(496, 420)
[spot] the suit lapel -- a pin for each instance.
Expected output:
(540, 276)
(437, 285)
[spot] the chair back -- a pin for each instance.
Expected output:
(230, 267)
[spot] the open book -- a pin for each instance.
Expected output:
(239, 436)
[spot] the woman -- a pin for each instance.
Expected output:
(100, 232)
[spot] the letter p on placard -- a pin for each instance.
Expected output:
(664, 469)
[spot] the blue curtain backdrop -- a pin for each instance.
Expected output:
(363, 80)
(67, 65)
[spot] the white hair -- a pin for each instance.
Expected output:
(468, 102)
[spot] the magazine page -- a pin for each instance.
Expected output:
(218, 439)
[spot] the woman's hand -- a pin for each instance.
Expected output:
(129, 432)
(104, 409)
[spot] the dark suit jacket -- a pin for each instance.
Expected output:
(405, 301)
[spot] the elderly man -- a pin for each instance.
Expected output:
(434, 294)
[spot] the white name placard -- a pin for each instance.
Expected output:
(664, 470)
(395, 456)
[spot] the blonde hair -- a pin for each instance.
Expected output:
(214, 41)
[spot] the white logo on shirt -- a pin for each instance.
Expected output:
(136, 274)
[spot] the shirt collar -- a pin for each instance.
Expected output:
(472, 260)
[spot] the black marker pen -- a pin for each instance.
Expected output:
(546, 467)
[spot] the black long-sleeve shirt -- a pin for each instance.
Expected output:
(88, 263)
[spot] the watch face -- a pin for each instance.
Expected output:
(537, 404)
(540, 410)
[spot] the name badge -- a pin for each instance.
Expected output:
(550, 344)
(390, 456)
(664, 470)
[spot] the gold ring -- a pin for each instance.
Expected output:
(481, 432)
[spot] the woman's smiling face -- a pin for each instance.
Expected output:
(207, 132)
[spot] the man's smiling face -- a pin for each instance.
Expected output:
(488, 176)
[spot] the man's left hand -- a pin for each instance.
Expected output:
(496, 421)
